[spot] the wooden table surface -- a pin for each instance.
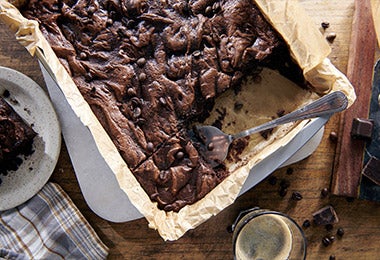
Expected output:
(360, 219)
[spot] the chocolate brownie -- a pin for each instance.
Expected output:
(16, 138)
(149, 68)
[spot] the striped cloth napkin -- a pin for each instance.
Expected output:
(48, 226)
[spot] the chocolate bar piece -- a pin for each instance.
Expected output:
(325, 216)
(372, 170)
(362, 128)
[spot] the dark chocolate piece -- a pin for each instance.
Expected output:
(372, 170)
(362, 128)
(325, 216)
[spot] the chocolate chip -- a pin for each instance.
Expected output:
(296, 196)
(324, 192)
(179, 155)
(142, 76)
(6, 93)
(284, 184)
(141, 62)
(131, 92)
(162, 101)
(208, 10)
(333, 136)
(332, 238)
(340, 232)
(136, 112)
(306, 223)
(280, 112)
(197, 54)
(150, 147)
(282, 192)
(362, 128)
(325, 25)
(238, 105)
(326, 241)
(272, 180)
(289, 171)
(331, 37)
(82, 55)
(332, 257)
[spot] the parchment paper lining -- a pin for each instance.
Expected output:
(308, 48)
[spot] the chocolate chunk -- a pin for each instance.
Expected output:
(362, 128)
(296, 196)
(325, 25)
(331, 37)
(372, 170)
(325, 216)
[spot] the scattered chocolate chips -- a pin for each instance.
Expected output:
(372, 170)
(289, 171)
(362, 128)
(306, 223)
(265, 134)
(283, 191)
(6, 93)
(272, 180)
(150, 147)
(296, 196)
(324, 192)
(325, 215)
(141, 62)
(284, 184)
(238, 105)
(333, 136)
(83, 56)
(325, 25)
(340, 232)
(330, 37)
(142, 76)
(326, 241)
(131, 92)
(179, 155)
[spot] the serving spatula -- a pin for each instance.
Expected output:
(214, 143)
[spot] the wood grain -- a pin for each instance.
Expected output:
(134, 240)
(350, 152)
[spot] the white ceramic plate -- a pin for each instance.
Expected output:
(29, 100)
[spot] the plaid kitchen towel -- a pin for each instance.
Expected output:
(48, 226)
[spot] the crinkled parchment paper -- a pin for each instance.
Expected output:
(308, 48)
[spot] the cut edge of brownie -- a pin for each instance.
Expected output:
(16, 138)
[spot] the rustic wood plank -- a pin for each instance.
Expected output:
(350, 152)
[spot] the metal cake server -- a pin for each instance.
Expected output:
(215, 143)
